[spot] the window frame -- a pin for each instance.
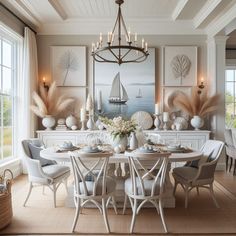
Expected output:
(16, 68)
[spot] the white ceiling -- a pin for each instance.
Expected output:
(209, 17)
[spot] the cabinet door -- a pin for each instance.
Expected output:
(192, 141)
(57, 140)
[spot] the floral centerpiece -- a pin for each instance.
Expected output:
(119, 129)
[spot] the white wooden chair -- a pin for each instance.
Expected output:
(51, 174)
(145, 185)
(202, 175)
(92, 183)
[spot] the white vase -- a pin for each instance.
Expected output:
(71, 121)
(90, 123)
(48, 122)
(133, 141)
(197, 122)
(121, 141)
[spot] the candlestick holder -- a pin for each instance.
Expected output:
(157, 121)
(165, 126)
(83, 125)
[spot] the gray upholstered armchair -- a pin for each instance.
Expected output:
(201, 173)
(42, 171)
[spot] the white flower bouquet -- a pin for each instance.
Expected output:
(118, 127)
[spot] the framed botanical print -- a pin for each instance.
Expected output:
(68, 65)
(180, 66)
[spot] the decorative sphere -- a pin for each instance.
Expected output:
(100, 127)
(117, 149)
(173, 126)
(74, 127)
(71, 121)
(122, 147)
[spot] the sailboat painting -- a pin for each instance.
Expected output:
(125, 89)
(118, 93)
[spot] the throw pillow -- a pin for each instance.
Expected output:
(35, 154)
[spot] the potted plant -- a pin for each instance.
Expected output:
(48, 105)
(198, 106)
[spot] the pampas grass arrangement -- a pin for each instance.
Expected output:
(48, 103)
(197, 104)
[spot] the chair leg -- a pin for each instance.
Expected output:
(226, 162)
(104, 212)
(213, 196)
(197, 191)
(175, 187)
(134, 209)
(234, 167)
(76, 215)
(66, 185)
(114, 204)
(54, 189)
(125, 203)
(231, 163)
(30, 190)
(186, 197)
(162, 216)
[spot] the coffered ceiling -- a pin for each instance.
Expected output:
(209, 17)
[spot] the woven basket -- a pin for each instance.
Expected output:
(5, 201)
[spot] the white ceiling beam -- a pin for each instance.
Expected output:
(205, 11)
(59, 9)
(230, 27)
(225, 18)
(178, 9)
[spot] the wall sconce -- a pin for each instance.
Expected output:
(44, 84)
(201, 86)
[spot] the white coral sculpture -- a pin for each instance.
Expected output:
(48, 103)
(180, 65)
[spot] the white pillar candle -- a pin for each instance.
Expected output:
(99, 100)
(157, 109)
(165, 116)
(135, 37)
(82, 114)
(142, 43)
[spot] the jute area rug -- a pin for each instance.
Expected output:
(200, 218)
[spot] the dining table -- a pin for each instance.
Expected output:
(119, 169)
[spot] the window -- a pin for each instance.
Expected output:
(8, 81)
(230, 97)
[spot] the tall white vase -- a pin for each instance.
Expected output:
(197, 122)
(133, 141)
(48, 122)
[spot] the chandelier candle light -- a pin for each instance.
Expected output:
(157, 121)
(120, 49)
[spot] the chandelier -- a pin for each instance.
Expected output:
(119, 47)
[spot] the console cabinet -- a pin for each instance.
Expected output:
(190, 138)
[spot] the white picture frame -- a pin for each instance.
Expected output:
(180, 66)
(167, 91)
(68, 65)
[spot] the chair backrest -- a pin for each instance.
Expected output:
(89, 170)
(212, 149)
(228, 137)
(35, 141)
(139, 172)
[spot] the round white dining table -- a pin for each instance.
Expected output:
(52, 153)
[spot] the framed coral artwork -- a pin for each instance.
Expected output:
(68, 65)
(180, 66)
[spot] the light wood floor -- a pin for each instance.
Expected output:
(201, 218)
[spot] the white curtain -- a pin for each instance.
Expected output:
(26, 120)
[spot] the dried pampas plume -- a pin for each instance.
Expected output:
(48, 103)
(197, 104)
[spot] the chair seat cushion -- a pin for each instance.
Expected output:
(148, 183)
(187, 173)
(55, 171)
(110, 186)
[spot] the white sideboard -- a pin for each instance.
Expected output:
(190, 138)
